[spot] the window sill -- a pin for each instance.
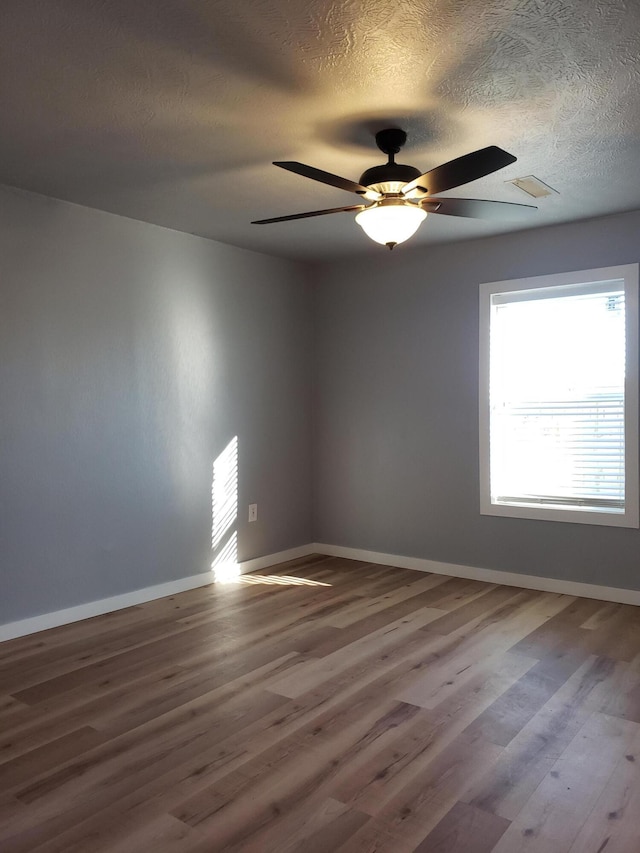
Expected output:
(538, 513)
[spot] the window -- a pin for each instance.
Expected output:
(559, 397)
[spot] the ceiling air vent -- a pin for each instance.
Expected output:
(533, 186)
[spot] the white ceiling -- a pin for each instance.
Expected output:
(171, 111)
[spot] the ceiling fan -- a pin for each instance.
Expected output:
(401, 196)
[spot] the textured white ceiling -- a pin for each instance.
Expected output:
(171, 111)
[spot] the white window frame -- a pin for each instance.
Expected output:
(628, 273)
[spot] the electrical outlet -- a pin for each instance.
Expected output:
(253, 512)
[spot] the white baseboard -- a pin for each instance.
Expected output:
(11, 630)
(582, 590)
(23, 627)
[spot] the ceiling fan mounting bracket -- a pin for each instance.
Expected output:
(390, 141)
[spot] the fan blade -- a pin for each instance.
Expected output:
(311, 213)
(462, 170)
(325, 178)
(478, 208)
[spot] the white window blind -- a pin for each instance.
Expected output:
(560, 409)
(557, 399)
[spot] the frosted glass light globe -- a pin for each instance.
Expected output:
(390, 224)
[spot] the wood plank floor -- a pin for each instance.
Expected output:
(327, 705)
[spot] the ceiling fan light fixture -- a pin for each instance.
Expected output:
(400, 193)
(390, 224)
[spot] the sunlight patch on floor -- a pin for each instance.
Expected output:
(270, 580)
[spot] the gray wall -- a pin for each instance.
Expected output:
(130, 355)
(396, 405)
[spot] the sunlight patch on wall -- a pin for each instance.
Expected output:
(224, 513)
(225, 564)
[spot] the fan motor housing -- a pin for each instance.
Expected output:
(394, 173)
